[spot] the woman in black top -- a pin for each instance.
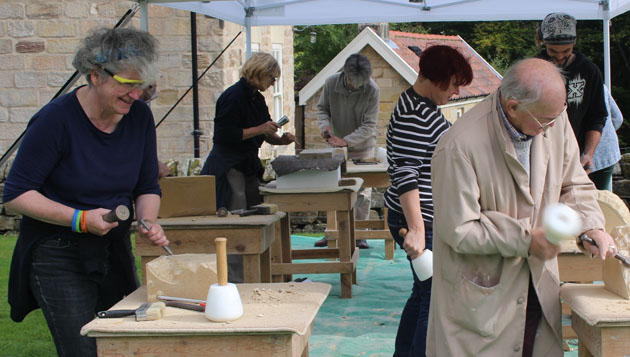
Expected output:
(412, 134)
(241, 124)
(84, 154)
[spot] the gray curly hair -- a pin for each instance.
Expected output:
(118, 50)
(358, 69)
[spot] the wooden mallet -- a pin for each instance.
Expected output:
(119, 214)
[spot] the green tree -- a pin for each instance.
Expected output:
(501, 43)
(310, 57)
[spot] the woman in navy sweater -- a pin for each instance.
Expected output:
(414, 129)
(84, 154)
(241, 124)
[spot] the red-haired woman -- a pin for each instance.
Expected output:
(414, 129)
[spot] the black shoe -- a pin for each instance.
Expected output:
(362, 244)
(321, 243)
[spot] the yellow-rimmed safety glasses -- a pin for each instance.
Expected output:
(129, 84)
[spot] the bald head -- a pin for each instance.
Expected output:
(532, 80)
(532, 95)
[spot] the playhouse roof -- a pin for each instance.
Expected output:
(397, 52)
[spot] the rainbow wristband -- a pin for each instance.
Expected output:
(76, 226)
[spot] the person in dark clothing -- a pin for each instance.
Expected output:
(84, 154)
(585, 88)
(241, 124)
(413, 132)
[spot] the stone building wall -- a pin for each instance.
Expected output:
(38, 39)
(37, 43)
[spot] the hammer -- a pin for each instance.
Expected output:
(119, 214)
(261, 209)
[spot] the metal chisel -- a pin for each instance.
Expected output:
(148, 228)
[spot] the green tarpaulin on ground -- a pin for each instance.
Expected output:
(365, 325)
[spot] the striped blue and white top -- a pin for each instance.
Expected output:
(413, 132)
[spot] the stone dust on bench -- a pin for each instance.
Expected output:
(273, 296)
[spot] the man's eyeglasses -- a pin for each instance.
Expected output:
(129, 84)
(545, 126)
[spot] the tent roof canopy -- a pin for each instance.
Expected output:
(318, 12)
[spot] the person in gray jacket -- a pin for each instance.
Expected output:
(607, 152)
(347, 113)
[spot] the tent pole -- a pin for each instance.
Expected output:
(248, 40)
(606, 27)
(195, 82)
(249, 12)
(144, 15)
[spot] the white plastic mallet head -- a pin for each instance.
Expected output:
(224, 302)
(561, 222)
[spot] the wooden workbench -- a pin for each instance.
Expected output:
(339, 199)
(575, 267)
(277, 321)
(373, 176)
(249, 236)
(600, 318)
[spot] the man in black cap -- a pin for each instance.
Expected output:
(585, 88)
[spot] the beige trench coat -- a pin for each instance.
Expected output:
(485, 207)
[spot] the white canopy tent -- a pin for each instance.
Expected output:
(319, 12)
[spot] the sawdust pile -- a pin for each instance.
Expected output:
(273, 296)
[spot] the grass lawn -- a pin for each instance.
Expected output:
(29, 337)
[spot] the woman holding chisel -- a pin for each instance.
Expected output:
(241, 124)
(85, 154)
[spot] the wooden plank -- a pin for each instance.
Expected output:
(373, 234)
(568, 333)
(329, 201)
(582, 350)
(346, 242)
(251, 268)
(235, 345)
(615, 341)
(315, 253)
(331, 234)
(331, 220)
(265, 266)
(346, 286)
(239, 241)
(353, 250)
(312, 268)
(369, 224)
(299, 344)
(285, 238)
(390, 246)
(589, 336)
(566, 310)
(579, 268)
(276, 253)
(372, 179)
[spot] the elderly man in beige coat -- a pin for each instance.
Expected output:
(495, 283)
